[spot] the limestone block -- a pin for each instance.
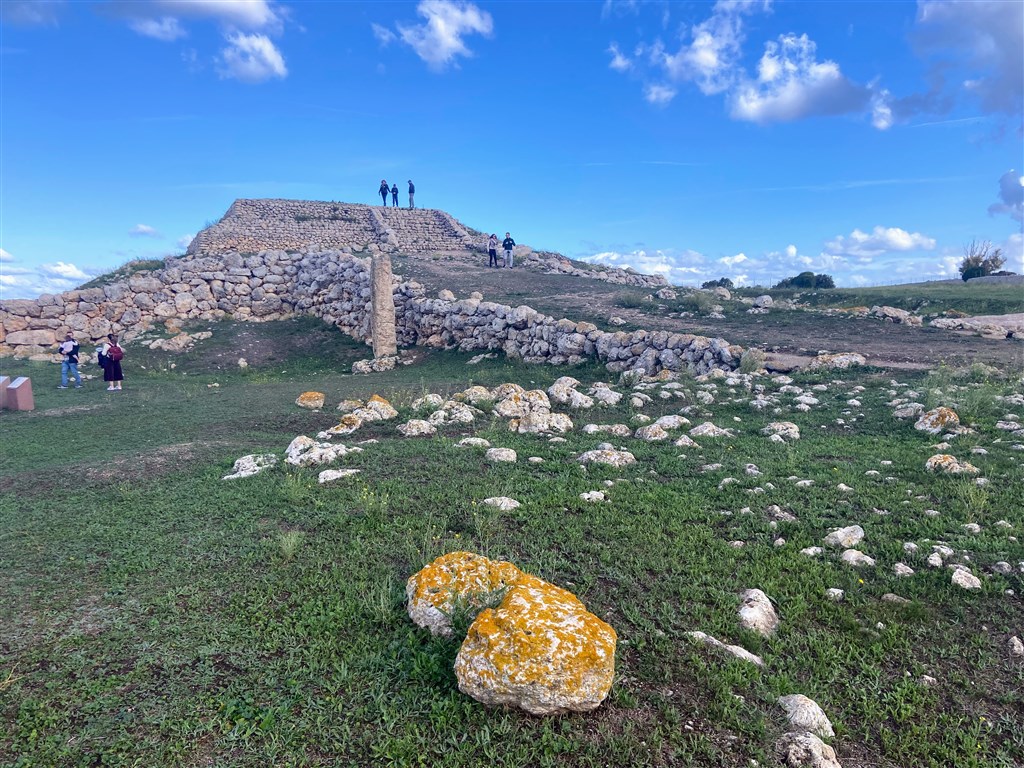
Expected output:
(42, 338)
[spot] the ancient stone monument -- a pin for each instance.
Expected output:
(382, 312)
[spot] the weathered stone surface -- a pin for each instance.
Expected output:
(735, 650)
(787, 430)
(844, 538)
(501, 455)
(805, 750)
(504, 503)
(306, 452)
(311, 400)
(950, 465)
(330, 475)
(965, 579)
(607, 456)
(856, 558)
(838, 361)
(417, 428)
(382, 319)
(937, 421)
(804, 714)
(250, 465)
(757, 613)
(539, 650)
(462, 580)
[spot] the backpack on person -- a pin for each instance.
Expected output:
(115, 353)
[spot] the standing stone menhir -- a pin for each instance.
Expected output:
(382, 321)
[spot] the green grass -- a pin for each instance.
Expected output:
(923, 298)
(156, 615)
(126, 270)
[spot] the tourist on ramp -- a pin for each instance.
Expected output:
(508, 244)
(492, 250)
(112, 353)
(384, 189)
(69, 361)
(412, 191)
(394, 195)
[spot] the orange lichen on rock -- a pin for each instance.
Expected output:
(310, 400)
(938, 420)
(943, 462)
(456, 580)
(540, 650)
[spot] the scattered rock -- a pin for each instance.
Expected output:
(804, 714)
(592, 496)
(937, 421)
(250, 465)
(311, 400)
(835, 594)
(856, 558)
(966, 579)
(943, 462)
(757, 613)
(416, 428)
(787, 430)
(504, 503)
(608, 456)
(844, 538)
(736, 650)
(805, 750)
(501, 455)
(330, 475)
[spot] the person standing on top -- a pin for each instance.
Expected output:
(492, 250)
(394, 196)
(508, 244)
(412, 191)
(69, 361)
(384, 189)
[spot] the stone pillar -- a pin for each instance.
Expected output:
(382, 320)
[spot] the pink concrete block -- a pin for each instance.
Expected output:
(19, 395)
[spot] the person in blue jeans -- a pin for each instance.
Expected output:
(69, 361)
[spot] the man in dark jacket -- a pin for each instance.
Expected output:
(412, 191)
(508, 244)
(69, 361)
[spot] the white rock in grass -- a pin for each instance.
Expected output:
(651, 433)
(966, 579)
(305, 452)
(935, 560)
(1002, 524)
(902, 569)
(473, 442)
(735, 650)
(938, 421)
(1015, 647)
(672, 421)
(685, 442)
(910, 547)
(757, 613)
(844, 538)
(330, 475)
(250, 465)
(856, 558)
(752, 470)
(499, 455)
(617, 430)
(430, 401)
(950, 465)
(707, 429)
(504, 503)
(811, 551)
(835, 594)
(605, 396)
(416, 428)
(805, 750)
(971, 527)
(535, 460)
(844, 488)
(607, 456)
(804, 714)
(592, 496)
(787, 430)
(737, 544)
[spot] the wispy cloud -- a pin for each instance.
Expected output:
(251, 59)
(440, 40)
(834, 186)
(31, 12)
(1011, 196)
(144, 230)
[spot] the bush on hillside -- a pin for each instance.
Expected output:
(807, 280)
(722, 282)
(980, 259)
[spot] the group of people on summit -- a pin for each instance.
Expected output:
(385, 190)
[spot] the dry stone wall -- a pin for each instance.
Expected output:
(336, 286)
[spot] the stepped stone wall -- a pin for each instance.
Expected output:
(251, 226)
(336, 286)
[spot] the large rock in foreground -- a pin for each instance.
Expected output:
(540, 650)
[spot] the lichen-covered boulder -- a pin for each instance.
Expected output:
(651, 433)
(346, 425)
(310, 400)
(416, 428)
(787, 430)
(376, 409)
(607, 456)
(306, 452)
(541, 423)
(518, 404)
(707, 429)
(938, 420)
(457, 580)
(250, 465)
(950, 465)
(540, 650)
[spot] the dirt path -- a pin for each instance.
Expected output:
(792, 336)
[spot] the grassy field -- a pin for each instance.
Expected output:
(924, 298)
(152, 614)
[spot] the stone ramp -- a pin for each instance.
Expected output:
(252, 226)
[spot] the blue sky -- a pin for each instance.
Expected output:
(751, 140)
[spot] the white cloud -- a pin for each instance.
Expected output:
(384, 35)
(31, 12)
(678, 267)
(731, 261)
(251, 59)
(881, 110)
(166, 28)
(791, 251)
(439, 40)
(793, 84)
(1011, 196)
(252, 15)
(143, 230)
(881, 240)
(5, 256)
(619, 62)
(978, 42)
(65, 270)
(25, 283)
(659, 94)
(185, 240)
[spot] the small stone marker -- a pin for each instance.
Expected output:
(4, 381)
(19, 395)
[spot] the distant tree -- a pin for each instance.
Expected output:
(807, 280)
(722, 282)
(980, 259)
